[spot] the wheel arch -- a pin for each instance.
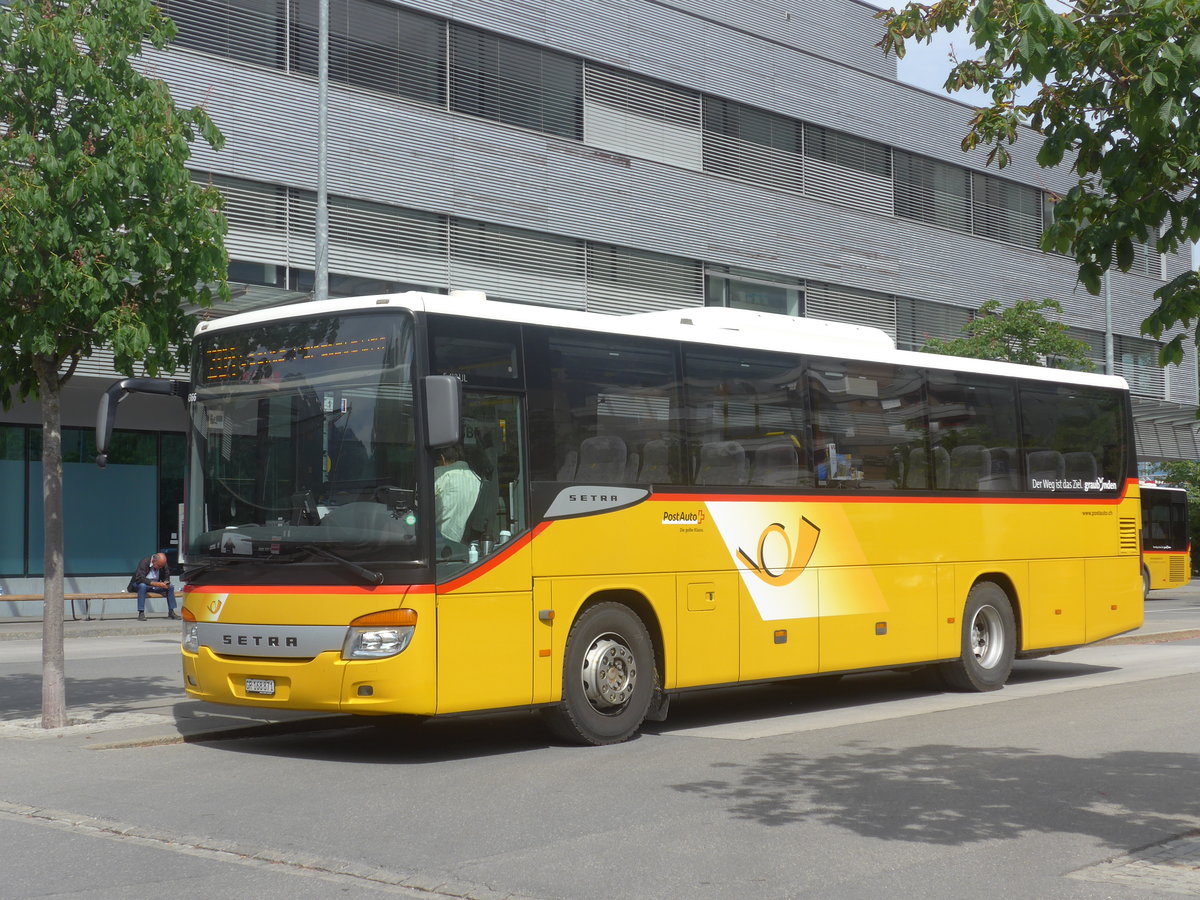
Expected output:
(642, 608)
(1003, 581)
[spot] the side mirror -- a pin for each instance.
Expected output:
(106, 413)
(443, 410)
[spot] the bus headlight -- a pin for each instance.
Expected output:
(191, 631)
(380, 635)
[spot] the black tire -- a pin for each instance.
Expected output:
(608, 638)
(989, 637)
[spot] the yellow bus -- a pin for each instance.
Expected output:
(1166, 537)
(438, 504)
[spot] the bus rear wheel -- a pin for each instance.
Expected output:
(608, 677)
(989, 638)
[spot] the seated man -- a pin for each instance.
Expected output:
(153, 577)
(455, 489)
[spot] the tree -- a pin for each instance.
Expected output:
(1116, 100)
(1020, 334)
(103, 236)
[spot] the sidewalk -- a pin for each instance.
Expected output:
(175, 719)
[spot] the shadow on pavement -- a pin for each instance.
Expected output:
(951, 795)
(410, 740)
(23, 694)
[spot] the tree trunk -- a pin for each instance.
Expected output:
(54, 698)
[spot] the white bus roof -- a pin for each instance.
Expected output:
(714, 326)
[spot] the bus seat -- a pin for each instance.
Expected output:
(1005, 474)
(775, 463)
(916, 473)
(722, 462)
(656, 463)
(601, 460)
(1081, 465)
(970, 467)
(632, 466)
(566, 472)
(941, 466)
(1046, 465)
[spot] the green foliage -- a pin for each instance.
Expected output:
(1021, 334)
(1117, 102)
(103, 235)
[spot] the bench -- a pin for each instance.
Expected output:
(84, 599)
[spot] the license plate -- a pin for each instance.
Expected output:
(260, 685)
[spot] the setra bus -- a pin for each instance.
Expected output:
(437, 504)
(1166, 537)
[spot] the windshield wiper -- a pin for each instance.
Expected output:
(368, 575)
(189, 574)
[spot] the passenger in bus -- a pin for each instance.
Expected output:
(455, 489)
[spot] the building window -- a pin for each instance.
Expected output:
(374, 45)
(641, 117)
(245, 30)
(932, 192)
(1136, 359)
(918, 321)
(515, 83)
(135, 481)
(758, 291)
(619, 276)
(1007, 211)
(847, 151)
(752, 145)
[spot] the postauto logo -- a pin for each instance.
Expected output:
(683, 518)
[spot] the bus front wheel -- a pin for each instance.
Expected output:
(989, 637)
(608, 677)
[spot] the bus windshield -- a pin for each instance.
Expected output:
(303, 441)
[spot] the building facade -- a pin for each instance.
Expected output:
(607, 155)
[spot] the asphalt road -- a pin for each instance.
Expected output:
(1078, 780)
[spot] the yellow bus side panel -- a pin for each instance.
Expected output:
(707, 615)
(780, 647)
(485, 651)
(1114, 597)
(1052, 612)
(878, 616)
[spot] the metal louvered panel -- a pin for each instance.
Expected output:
(386, 242)
(753, 162)
(1136, 360)
(918, 321)
(932, 192)
(1147, 261)
(373, 45)
(839, 304)
(644, 96)
(512, 264)
(98, 365)
(257, 215)
(620, 280)
(1144, 381)
(1128, 536)
(849, 187)
(642, 118)
(1007, 211)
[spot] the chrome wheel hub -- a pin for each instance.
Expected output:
(987, 637)
(609, 673)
